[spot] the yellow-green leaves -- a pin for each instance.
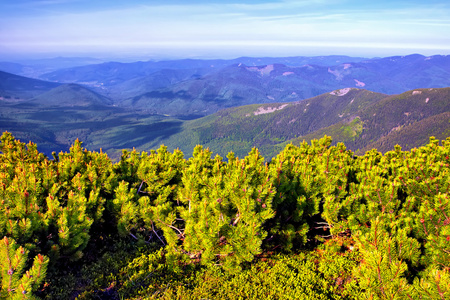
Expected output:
(16, 283)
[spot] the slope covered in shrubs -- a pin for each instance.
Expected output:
(315, 222)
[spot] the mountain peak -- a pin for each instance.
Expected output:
(342, 92)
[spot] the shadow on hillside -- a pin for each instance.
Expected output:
(136, 135)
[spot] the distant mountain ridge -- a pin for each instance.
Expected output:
(36, 67)
(240, 84)
(104, 72)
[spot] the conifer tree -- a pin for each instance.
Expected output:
(125, 208)
(432, 284)
(383, 268)
(394, 208)
(426, 180)
(226, 205)
(16, 283)
(310, 179)
(21, 187)
(376, 191)
(146, 204)
(88, 174)
(50, 206)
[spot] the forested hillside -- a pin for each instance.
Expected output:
(315, 222)
(361, 119)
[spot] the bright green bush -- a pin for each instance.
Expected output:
(225, 207)
(311, 182)
(16, 283)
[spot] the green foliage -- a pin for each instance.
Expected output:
(50, 206)
(373, 226)
(382, 272)
(303, 276)
(16, 283)
(225, 207)
(149, 206)
(308, 178)
(433, 284)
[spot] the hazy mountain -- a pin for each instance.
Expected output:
(201, 87)
(35, 67)
(238, 85)
(61, 62)
(397, 74)
(13, 68)
(111, 73)
(149, 103)
(70, 95)
(16, 88)
(145, 84)
(231, 86)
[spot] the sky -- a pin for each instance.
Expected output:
(161, 29)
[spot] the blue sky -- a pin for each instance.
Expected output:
(223, 29)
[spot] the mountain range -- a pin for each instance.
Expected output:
(202, 87)
(231, 105)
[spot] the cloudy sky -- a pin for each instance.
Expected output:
(224, 29)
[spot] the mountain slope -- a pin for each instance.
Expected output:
(16, 87)
(70, 95)
(237, 85)
(358, 118)
(415, 134)
(201, 87)
(396, 74)
(407, 119)
(240, 128)
(146, 84)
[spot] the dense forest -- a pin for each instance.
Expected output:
(315, 222)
